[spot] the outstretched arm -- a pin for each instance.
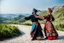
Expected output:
(27, 18)
(40, 17)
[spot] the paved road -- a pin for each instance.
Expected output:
(25, 38)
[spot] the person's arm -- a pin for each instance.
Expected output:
(27, 18)
(50, 16)
(53, 18)
(40, 17)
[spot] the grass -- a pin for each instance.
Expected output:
(59, 19)
(27, 23)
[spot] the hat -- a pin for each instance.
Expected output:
(35, 10)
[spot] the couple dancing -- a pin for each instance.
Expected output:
(49, 29)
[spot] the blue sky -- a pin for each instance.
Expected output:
(26, 6)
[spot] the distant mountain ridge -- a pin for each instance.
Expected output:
(56, 8)
(7, 18)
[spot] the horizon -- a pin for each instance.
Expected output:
(26, 6)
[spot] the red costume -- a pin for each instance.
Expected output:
(49, 29)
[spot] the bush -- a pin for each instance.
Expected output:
(28, 23)
(8, 31)
(59, 27)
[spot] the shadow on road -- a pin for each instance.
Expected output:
(22, 33)
(60, 38)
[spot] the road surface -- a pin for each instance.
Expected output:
(25, 38)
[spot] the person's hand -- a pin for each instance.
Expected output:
(24, 19)
(41, 17)
(37, 16)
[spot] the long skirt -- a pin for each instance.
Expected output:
(36, 31)
(50, 32)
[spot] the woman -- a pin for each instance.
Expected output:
(49, 29)
(36, 32)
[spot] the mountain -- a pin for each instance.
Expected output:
(18, 17)
(56, 8)
(12, 18)
(1, 21)
(8, 15)
(58, 13)
(12, 15)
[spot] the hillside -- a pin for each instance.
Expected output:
(59, 17)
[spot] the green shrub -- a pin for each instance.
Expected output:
(8, 31)
(28, 23)
(59, 27)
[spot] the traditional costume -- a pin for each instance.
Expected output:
(36, 27)
(50, 32)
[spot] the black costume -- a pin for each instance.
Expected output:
(37, 31)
